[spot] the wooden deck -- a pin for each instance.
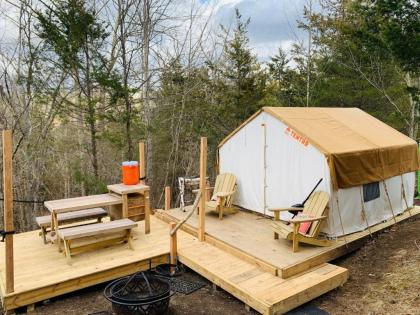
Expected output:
(41, 272)
(249, 236)
(257, 288)
(239, 255)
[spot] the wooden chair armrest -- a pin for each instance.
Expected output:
(285, 209)
(301, 220)
(224, 194)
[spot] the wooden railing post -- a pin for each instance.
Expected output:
(203, 181)
(173, 244)
(8, 208)
(142, 162)
(167, 197)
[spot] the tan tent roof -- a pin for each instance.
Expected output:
(359, 148)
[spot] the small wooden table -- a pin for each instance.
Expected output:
(135, 203)
(78, 203)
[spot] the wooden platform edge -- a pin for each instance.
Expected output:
(353, 244)
(21, 299)
(287, 272)
(298, 289)
(337, 279)
(259, 306)
(221, 244)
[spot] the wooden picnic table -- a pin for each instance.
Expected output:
(73, 204)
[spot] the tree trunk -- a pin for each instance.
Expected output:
(414, 112)
(127, 101)
(146, 84)
(91, 114)
(93, 131)
(309, 56)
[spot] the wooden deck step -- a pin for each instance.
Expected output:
(261, 290)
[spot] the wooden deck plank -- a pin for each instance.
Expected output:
(41, 271)
(259, 289)
(243, 233)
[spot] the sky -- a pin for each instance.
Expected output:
(273, 22)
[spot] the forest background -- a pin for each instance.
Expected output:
(87, 80)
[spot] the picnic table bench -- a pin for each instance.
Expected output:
(79, 203)
(95, 231)
(127, 202)
(44, 222)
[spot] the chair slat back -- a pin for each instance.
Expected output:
(225, 182)
(316, 206)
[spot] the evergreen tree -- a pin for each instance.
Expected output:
(279, 88)
(76, 38)
(391, 29)
(240, 79)
(362, 58)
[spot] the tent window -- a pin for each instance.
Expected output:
(370, 191)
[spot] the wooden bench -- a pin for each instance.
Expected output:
(94, 233)
(44, 222)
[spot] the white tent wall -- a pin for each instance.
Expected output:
(291, 171)
(241, 155)
(377, 210)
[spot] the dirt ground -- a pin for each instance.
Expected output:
(384, 279)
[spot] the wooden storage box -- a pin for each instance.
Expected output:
(136, 208)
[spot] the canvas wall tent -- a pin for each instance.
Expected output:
(280, 153)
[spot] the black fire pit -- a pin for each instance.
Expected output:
(140, 294)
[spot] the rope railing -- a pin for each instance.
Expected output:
(24, 201)
(189, 214)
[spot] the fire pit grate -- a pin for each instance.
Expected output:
(140, 294)
(184, 286)
(174, 274)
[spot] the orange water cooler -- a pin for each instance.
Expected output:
(130, 172)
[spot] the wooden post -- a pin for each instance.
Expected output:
(147, 211)
(124, 206)
(203, 169)
(142, 162)
(167, 197)
(173, 244)
(264, 165)
(208, 192)
(8, 208)
(276, 218)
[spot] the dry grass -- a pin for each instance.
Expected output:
(384, 275)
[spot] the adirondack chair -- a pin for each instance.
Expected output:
(222, 198)
(314, 213)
